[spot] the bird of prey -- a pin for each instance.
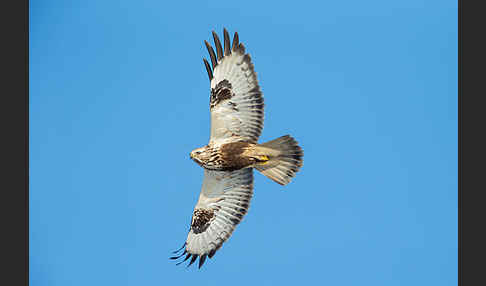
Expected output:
(228, 160)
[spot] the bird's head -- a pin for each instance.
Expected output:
(199, 155)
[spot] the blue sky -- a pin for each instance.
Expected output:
(119, 97)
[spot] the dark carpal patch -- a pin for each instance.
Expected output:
(200, 219)
(221, 92)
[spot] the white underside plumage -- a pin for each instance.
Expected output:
(247, 122)
(229, 195)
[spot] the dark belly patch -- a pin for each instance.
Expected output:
(232, 155)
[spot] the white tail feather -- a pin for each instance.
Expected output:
(285, 159)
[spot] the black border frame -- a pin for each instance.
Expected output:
(459, 139)
(15, 123)
(471, 143)
(14, 104)
(459, 143)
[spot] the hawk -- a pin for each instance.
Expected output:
(236, 107)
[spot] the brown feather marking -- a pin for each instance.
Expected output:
(232, 155)
(200, 219)
(221, 92)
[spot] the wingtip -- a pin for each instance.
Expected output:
(194, 257)
(242, 48)
(202, 259)
(217, 44)
(208, 69)
(235, 41)
(227, 43)
(182, 247)
(185, 259)
(211, 253)
(214, 62)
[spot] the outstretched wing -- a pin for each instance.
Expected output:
(224, 200)
(236, 102)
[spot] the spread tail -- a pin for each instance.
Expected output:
(285, 158)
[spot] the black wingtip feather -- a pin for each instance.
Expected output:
(227, 48)
(179, 256)
(211, 54)
(194, 257)
(208, 69)
(241, 49)
(217, 43)
(235, 42)
(187, 257)
(201, 260)
(182, 247)
(211, 253)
